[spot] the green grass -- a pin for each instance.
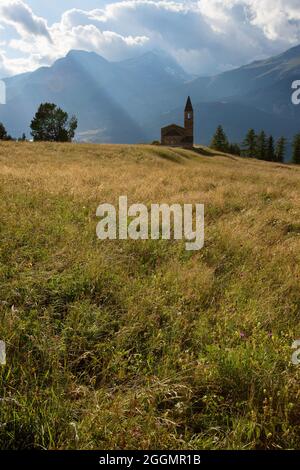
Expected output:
(141, 344)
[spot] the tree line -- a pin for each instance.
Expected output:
(50, 124)
(260, 146)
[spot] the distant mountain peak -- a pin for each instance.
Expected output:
(80, 54)
(159, 60)
(290, 53)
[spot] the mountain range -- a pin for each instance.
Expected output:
(128, 101)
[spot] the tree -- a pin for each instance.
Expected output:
(250, 144)
(23, 138)
(52, 124)
(219, 141)
(234, 149)
(261, 148)
(3, 133)
(280, 150)
(296, 149)
(270, 156)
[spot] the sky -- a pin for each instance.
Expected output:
(205, 36)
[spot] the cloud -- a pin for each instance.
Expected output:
(205, 36)
(276, 19)
(107, 43)
(11, 66)
(18, 14)
(3, 67)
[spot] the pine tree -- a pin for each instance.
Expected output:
(261, 151)
(296, 149)
(234, 149)
(250, 144)
(23, 138)
(219, 141)
(280, 150)
(3, 133)
(270, 156)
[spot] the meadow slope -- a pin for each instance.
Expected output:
(141, 344)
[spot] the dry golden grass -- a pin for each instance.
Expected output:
(142, 344)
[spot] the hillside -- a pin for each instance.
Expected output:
(251, 78)
(141, 344)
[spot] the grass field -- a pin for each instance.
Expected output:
(141, 344)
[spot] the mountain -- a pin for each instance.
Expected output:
(236, 118)
(128, 101)
(256, 95)
(110, 99)
(249, 79)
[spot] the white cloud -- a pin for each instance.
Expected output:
(18, 14)
(205, 36)
(277, 19)
(91, 38)
(15, 65)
